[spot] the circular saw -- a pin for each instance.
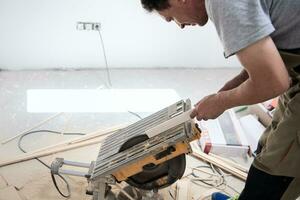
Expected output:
(149, 154)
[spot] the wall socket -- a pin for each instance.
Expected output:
(88, 26)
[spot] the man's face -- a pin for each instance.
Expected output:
(185, 12)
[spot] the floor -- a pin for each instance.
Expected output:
(32, 179)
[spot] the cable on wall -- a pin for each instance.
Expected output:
(105, 60)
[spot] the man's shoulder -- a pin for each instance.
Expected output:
(229, 5)
(239, 23)
(219, 8)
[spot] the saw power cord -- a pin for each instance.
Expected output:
(43, 163)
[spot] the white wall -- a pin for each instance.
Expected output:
(42, 34)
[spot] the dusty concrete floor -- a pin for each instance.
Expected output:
(31, 178)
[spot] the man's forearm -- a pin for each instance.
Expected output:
(236, 81)
(249, 93)
(268, 76)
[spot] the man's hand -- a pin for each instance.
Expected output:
(210, 107)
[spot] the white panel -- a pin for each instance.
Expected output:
(42, 34)
(100, 100)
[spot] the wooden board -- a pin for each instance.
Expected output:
(197, 153)
(90, 139)
(9, 193)
(230, 162)
(98, 133)
(26, 157)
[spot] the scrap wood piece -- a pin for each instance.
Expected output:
(30, 129)
(197, 153)
(9, 193)
(26, 157)
(95, 134)
(230, 162)
(222, 165)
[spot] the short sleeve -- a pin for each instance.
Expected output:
(239, 23)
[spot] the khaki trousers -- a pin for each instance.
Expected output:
(280, 154)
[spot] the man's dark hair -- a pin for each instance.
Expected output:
(158, 5)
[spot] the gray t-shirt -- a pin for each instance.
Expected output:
(241, 23)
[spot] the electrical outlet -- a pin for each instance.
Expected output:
(88, 26)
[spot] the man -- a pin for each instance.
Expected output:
(265, 36)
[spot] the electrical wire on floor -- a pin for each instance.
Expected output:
(215, 178)
(43, 163)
